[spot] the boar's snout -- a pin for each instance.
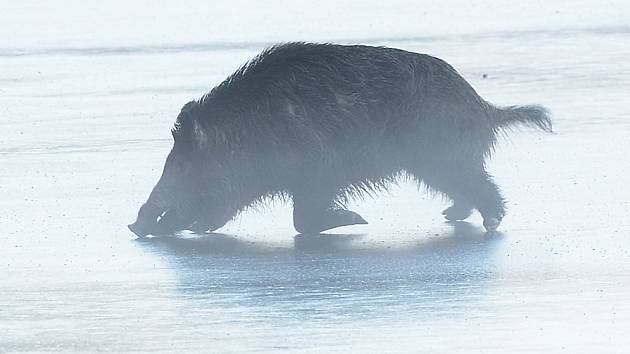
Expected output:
(137, 229)
(147, 220)
(153, 220)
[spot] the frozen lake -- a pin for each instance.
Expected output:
(88, 94)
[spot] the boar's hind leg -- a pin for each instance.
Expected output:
(460, 210)
(485, 195)
(468, 187)
(315, 211)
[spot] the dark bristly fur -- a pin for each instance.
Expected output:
(322, 123)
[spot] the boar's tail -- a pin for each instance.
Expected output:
(533, 116)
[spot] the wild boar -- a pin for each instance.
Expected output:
(322, 123)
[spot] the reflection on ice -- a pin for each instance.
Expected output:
(333, 275)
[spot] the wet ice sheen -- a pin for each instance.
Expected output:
(84, 133)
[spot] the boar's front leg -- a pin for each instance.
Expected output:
(314, 211)
(200, 227)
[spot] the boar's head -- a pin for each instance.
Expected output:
(192, 193)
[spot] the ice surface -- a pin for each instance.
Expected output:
(89, 91)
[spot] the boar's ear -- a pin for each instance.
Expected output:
(199, 133)
(207, 134)
(183, 128)
(182, 131)
(220, 138)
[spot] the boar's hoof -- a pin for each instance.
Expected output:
(457, 212)
(200, 228)
(491, 224)
(327, 220)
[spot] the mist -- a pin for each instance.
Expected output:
(90, 92)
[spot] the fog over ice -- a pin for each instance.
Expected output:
(88, 93)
